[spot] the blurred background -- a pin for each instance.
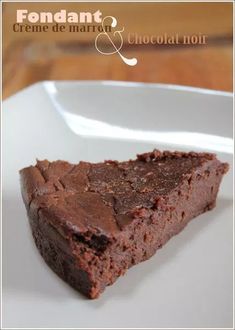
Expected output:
(30, 57)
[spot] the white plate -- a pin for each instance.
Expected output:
(188, 283)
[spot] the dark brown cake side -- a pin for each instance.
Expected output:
(91, 222)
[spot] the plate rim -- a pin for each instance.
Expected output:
(121, 83)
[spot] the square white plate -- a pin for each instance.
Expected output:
(188, 283)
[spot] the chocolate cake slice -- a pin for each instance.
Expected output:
(91, 222)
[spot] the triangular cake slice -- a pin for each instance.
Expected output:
(91, 222)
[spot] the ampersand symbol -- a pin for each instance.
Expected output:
(118, 33)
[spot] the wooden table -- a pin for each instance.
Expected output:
(36, 58)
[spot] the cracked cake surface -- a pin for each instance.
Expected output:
(91, 222)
